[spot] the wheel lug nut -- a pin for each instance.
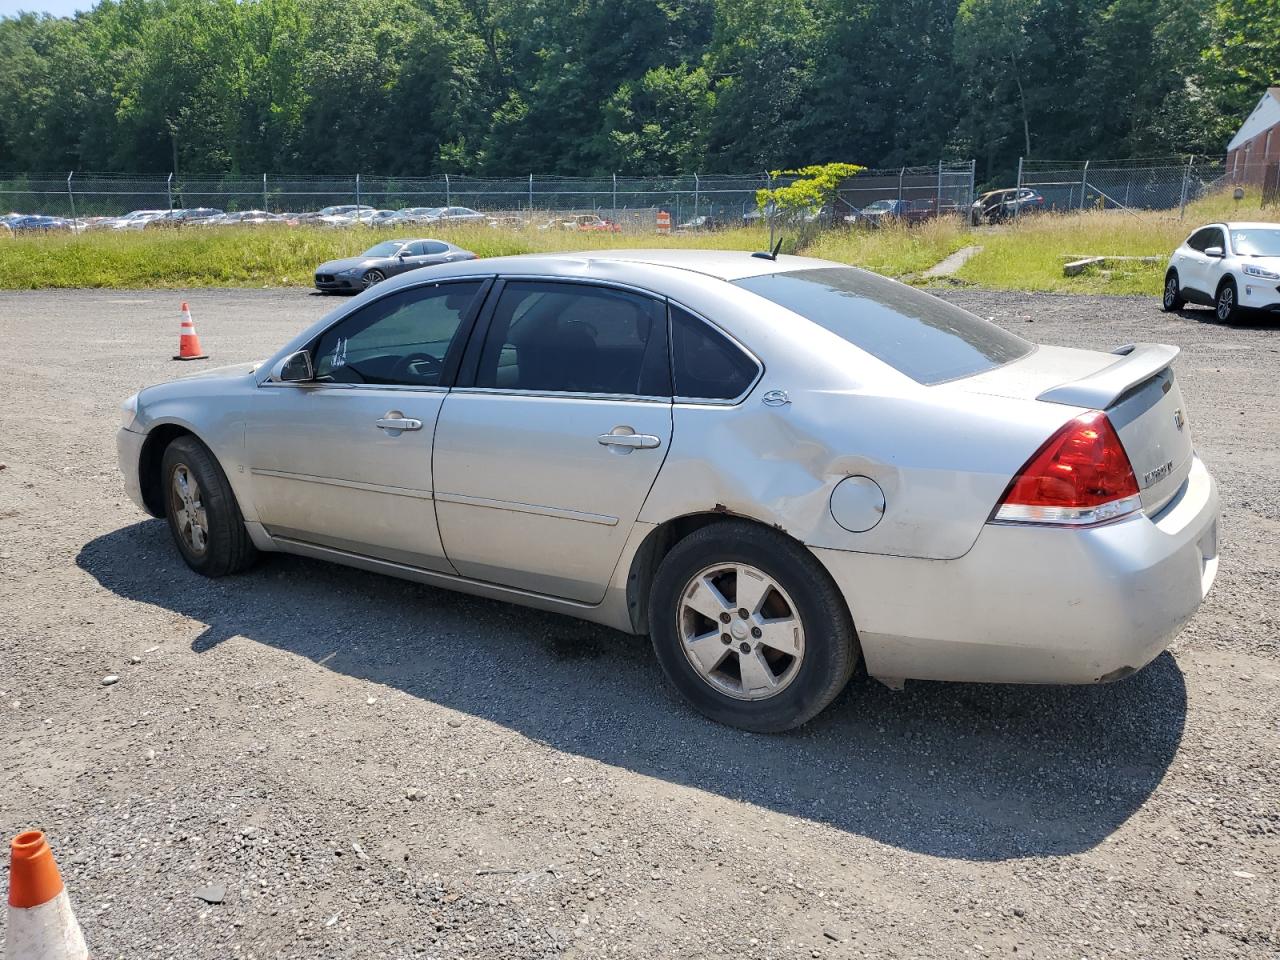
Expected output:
(757, 632)
(743, 613)
(726, 639)
(744, 647)
(724, 618)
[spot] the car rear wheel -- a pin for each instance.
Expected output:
(371, 277)
(1226, 305)
(1172, 300)
(750, 628)
(201, 508)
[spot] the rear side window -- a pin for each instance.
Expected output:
(706, 364)
(917, 334)
(575, 338)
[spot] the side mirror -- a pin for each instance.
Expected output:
(1214, 252)
(297, 368)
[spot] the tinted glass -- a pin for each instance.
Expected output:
(1256, 242)
(574, 338)
(434, 246)
(706, 364)
(401, 339)
(919, 335)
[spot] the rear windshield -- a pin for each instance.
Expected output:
(919, 335)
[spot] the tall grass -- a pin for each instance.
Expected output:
(1028, 255)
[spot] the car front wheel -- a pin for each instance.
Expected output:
(750, 628)
(1226, 305)
(1172, 300)
(201, 508)
(372, 277)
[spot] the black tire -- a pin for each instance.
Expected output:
(830, 641)
(227, 547)
(1226, 303)
(1172, 300)
(372, 277)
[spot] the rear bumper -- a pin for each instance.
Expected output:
(129, 454)
(1034, 604)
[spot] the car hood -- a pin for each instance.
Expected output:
(347, 263)
(1266, 263)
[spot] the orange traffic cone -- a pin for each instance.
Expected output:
(188, 342)
(41, 924)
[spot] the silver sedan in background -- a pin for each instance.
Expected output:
(382, 260)
(776, 467)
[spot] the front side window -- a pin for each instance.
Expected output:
(575, 338)
(1203, 239)
(401, 339)
(919, 335)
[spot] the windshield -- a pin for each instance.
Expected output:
(917, 334)
(387, 248)
(881, 205)
(1256, 242)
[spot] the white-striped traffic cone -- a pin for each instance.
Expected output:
(188, 342)
(41, 924)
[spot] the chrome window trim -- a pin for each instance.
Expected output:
(751, 355)
(559, 394)
(319, 385)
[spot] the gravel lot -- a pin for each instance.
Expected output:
(368, 768)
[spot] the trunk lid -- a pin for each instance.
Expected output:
(1136, 387)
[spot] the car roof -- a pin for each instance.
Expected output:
(1245, 225)
(718, 264)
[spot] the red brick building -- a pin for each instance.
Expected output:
(1256, 145)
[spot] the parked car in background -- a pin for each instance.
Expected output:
(701, 224)
(328, 213)
(34, 223)
(881, 212)
(134, 220)
(420, 214)
(457, 215)
(625, 437)
(173, 219)
(997, 205)
(382, 260)
(1233, 267)
(244, 218)
(508, 223)
(591, 223)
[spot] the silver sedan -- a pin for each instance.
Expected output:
(776, 468)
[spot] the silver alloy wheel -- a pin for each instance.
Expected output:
(740, 631)
(372, 277)
(1170, 292)
(1226, 302)
(188, 510)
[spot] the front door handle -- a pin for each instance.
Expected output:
(398, 423)
(634, 441)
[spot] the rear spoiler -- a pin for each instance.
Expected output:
(1138, 363)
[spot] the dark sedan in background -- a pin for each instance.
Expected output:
(382, 260)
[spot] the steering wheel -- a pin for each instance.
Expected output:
(411, 364)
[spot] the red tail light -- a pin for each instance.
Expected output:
(1081, 475)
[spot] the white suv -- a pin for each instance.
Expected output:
(1228, 266)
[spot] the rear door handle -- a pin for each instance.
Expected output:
(636, 441)
(398, 423)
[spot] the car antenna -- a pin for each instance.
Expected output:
(771, 254)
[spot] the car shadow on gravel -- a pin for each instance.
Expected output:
(965, 771)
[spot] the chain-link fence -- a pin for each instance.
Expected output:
(723, 200)
(1160, 184)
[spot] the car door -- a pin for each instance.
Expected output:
(344, 461)
(1196, 267)
(547, 448)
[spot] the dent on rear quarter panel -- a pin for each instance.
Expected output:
(942, 460)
